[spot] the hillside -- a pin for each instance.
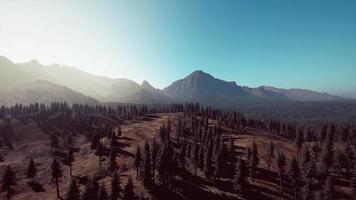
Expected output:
(198, 86)
(219, 145)
(43, 92)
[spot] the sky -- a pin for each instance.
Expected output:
(307, 44)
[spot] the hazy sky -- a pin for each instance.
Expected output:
(286, 43)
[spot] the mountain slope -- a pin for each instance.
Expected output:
(43, 92)
(202, 87)
(197, 87)
(303, 95)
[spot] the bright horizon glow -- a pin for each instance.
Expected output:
(285, 44)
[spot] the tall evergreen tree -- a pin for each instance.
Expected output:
(353, 183)
(56, 174)
(99, 152)
(102, 194)
(115, 187)
(240, 183)
(31, 170)
(70, 160)
(129, 190)
(155, 149)
(208, 169)
(328, 189)
(113, 164)
(146, 167)
(299, 140)
(254, 160)
(8, 180)
(307, 192)
(91, 190)
(138, 160)
(293, 174)
(73, 191)
(270, 154)
(281, 163)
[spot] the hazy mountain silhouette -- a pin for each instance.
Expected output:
(198, 87)
(43, 92)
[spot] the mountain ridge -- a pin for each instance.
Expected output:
(198, 86)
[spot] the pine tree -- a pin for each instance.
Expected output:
(115, 187)
(270, 154)
(146, 168)
(56, 174)
(254, 160)
(328, 189)
(208, 169)
(353, 182)
(99, 153)
(281, 162)
(155, 149)
(8, 180)
(91, 190)
(31, 170)
(305, 157)
(326, 159)
(102, 194)
(319, 195)
(128, 191)
(349, 158)
(73, 191)
(299, 140)
(69, 161)
(113, 164)
(293, 173)
(240, 183)
(307, 192)
(138, 160)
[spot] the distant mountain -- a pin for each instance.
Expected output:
(43, 92)
(196, 87)
(303, 95)
(202, 87)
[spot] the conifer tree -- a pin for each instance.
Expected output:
(349, 159)
(281, 162)
(138, 160)
(208, 169)
(254, 160)
(113, 164)
(56, 174)
(129, 190)
(146, 168)
(115, 187)
(293, 173)
(305, 157)
(102, 194)
(270, 154)
(299, 140)
(319, 195)
(31, 170)
(328, 189)
(8, 180)
(307, 192)
(73, 191)
(91, 190)
(155, 149)
(240, 183)
(353, 183)
(99, 152)
(69, 161)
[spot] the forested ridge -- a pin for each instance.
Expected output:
(201, 152)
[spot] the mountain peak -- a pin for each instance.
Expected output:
(5, 60)
(146, 85)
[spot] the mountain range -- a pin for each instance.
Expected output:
(34, 82)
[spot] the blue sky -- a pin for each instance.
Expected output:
(283, 43)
